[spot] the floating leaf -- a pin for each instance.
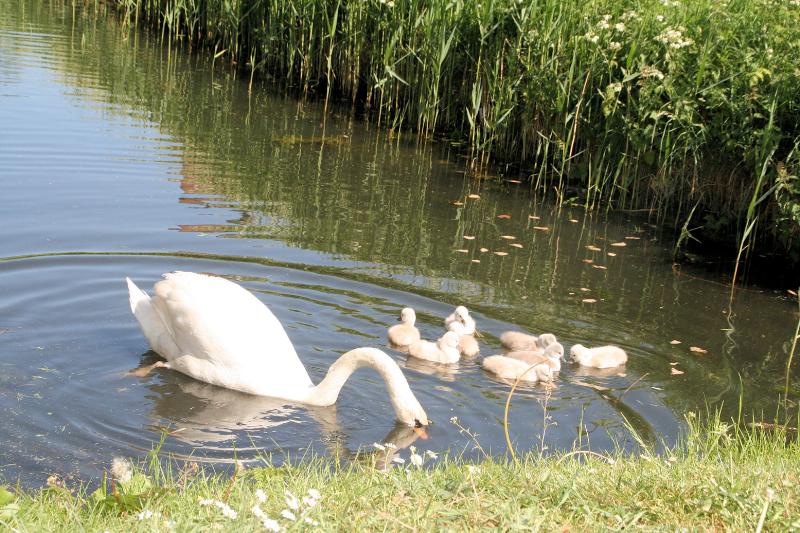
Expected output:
(516, 245)
(517, 182)
(533, 217)
(476, 260)
(675, 363)
(619, 244)
(462, 251)
(542, 228)
(508, 237)
(611, 254)
(588, 261)
(790, 291)
(584, 289)
(474, 196)
(589, 300)
(593, 248)
(501, 253)
(600, 267)
(574, 220)
(675, 372)
(504, 216)
(632, 238)
(697, 349)
(675, 341)
(469, 237)
(456, 202)
(484, 250)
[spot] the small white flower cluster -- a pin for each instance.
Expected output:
(121, 469)
(294, 506)
(387, 3)
(670, 3)
(649, 71)
(605, 22)
(630, 15)
(660, 18)
(794, 2)
(415, 458)
(673, 37)
(145, 515)
(227, 512)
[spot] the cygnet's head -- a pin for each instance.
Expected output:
(461, 313)
(450, 339)
(546, 339)
(554, 351)
(543, 372)
(576, 350)
(408, 316)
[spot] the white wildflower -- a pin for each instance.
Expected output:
(472, 469)
(206, 502)
(257, 511)
(291, 501)
(121, 469)
(144, 515)
(309, 502)
(270, 524)
(314, 493)
(261, 496)
(398, 460)
(660, 18)
(380, 447)
(592, 38)
(614, 46)
(454, 419)
(415, 459)
(431, 454)
(619, 26)
(603, 25)
(390, 445)
(630, 15)
(649, 71)
(311, 522)
(227, 512)
(288, 515)
(614, 87)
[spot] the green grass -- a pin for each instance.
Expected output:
(663, 104)
(721, 477)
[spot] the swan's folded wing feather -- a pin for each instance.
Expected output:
(215, 319)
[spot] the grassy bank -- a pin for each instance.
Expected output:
(686, 108)
(721, 477)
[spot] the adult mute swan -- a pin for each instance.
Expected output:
(216, 331)
(405, 334)
(600, 357)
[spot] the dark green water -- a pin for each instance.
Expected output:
(121, 156)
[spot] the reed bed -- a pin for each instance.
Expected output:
(688, 109)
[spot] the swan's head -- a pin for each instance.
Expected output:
(449, 340)
(456, 327)
(413, 415)
(461, 313)
(554, 351)
(576, 351)
(546, 339)
(408, 316)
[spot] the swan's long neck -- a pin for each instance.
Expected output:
(403, 400)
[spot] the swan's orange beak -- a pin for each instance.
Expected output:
(421, 433)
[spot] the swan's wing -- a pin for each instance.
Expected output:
(153, 326)
(219, 321)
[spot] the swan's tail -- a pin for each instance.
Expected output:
(137, 296)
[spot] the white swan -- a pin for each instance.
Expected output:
(461, 314)
(516, 341)
(508, 368)
(445, 350)
(216, 331)
(404, 334)
(551, 355)
(467, 344)
(600, 357)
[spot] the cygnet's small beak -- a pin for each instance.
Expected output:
(399, 319)
(421, 433)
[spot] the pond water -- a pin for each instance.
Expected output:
(121, 156)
